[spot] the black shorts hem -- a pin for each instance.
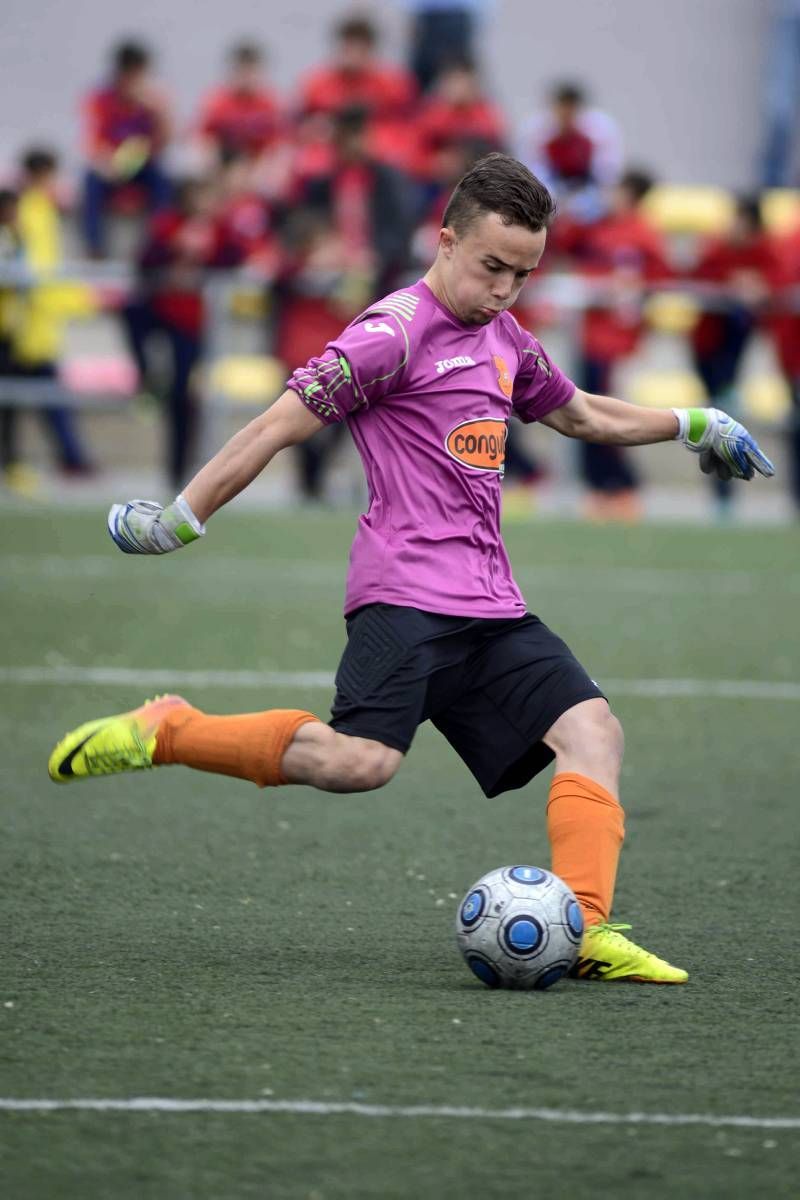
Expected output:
(538, 756)
(374, 735)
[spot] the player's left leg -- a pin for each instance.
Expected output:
(585, 821)
(585, 825)
(524, 702)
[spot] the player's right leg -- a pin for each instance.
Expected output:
(382, 684)
(269, 748)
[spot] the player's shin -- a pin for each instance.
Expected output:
(248, 746)
(585, 825)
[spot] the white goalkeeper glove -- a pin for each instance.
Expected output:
(724, 445)
(145, 527)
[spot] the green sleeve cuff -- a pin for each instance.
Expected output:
(186, 534)
(698, 424)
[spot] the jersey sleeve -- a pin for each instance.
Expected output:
(359, 368)
(539, 385)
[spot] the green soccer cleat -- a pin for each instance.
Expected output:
(109, 745)
(606, 955)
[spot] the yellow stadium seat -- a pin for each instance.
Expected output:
(671, 312)
(248, 305)
(687, 208)
(766, 398)
(780, 209)
(667, 389)
(247, 378)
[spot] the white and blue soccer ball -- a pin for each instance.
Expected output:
(519, 927)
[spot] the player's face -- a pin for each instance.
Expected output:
(483, 271)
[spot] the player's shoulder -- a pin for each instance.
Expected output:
(397, 314)
(531, 354)
(404, 304)
(521, 338)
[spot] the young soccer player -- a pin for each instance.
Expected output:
(437, 628)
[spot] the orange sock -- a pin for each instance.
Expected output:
(249, 746)
(585, 824)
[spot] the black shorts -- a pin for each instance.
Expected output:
(492, 687)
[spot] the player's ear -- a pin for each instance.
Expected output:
(447, 241)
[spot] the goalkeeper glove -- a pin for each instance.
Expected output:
(725, 447)
(144, 527)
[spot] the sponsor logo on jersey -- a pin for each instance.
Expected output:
(504, 377)
(479, 444)
(447, 364)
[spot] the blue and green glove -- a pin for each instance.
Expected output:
(724, 445)
(145, 527)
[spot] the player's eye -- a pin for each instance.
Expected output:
(493, 268)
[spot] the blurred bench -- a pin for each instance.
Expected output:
(764, 398)
(97, 382)
(696, 209)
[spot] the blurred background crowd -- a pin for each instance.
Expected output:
(289, 210)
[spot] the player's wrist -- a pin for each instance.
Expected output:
(683, 422)
(693, 425)
(185, 525)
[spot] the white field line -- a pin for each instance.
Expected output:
(164, 678)
(657, 689)
(323, 1108)
(213, 569)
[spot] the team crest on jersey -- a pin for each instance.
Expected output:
(479, 444)
(503, 376)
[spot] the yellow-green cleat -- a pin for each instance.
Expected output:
(606, 955)
(109, 745)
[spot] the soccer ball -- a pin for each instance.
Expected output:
(519, 927)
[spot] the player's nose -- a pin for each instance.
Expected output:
(502, 290)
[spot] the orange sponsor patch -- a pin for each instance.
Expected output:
(503, 376)
(479, 444)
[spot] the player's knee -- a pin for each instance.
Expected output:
(614, 739)
(589, 728)
(372, 765)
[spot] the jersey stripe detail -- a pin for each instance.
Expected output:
(402, 304)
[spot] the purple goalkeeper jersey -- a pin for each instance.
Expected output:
(428, 399)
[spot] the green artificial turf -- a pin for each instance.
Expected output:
(175, 934)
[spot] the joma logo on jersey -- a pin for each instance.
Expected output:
(447, 364)
(479, 444)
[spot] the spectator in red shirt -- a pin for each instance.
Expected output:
(360, 244)
(318, 291)
(127, 125)
(575, 149)
(784, 325)
(449, 162)
(367, 203)
(356, 78)
(242, 115)
(458, 110)
(246, 218)
(182, 244)
(618, 255)
(737, 270)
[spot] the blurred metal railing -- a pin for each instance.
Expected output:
(566, 294)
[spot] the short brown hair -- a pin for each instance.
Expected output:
(500, 184)
(356, 28)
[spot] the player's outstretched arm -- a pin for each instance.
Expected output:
(724, 445)
(147, 527)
